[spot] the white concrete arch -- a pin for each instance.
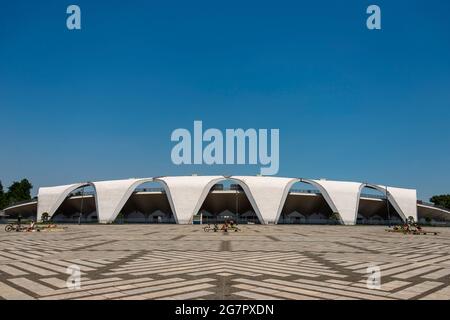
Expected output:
(267, 195)
(187, 193)
(247, 190)
(403, 200)
(51, 198)
(112, 195)
(341, 196)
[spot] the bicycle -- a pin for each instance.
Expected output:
(230, 225)
(208, 228)
(13, 227)
(235, 228)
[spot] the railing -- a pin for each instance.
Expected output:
(373, 196)
(304, 191)
(80, 193)
(363, 195)
(92, 193)
(237, 188)
(150, 190)
(234, 187)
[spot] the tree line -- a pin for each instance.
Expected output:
(17, 191)
(442, 200)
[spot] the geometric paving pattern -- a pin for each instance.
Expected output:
(261, 262)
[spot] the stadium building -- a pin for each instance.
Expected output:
(246, 199)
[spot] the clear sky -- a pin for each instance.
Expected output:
(101, 103)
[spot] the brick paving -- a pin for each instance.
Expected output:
(260, 262)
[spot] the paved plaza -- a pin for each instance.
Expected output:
(261, 262)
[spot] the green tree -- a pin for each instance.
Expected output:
(19, 191)
(442, 200)
(45, 217)
(3, 200)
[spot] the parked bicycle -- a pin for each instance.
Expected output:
(230, 225)
(14, 227)
(227, 226)
(32, 227)
(208, 228)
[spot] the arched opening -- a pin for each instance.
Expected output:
(78, 207)
(305, 204)
(147, 204)
(227, 200)
(375, 209)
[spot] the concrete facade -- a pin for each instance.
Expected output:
(50, 198)
(186, 194)
(345, 196)
(112, 195)
(267, 196)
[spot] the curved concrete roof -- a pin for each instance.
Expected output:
(267, 195)
(50, 198)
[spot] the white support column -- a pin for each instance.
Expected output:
(404, 201)
(345, 197)
(111, 196)
(187, 193)
(269, 195)
(51, 198)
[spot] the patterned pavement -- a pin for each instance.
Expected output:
(261, 262)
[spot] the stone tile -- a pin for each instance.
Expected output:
(183, 262)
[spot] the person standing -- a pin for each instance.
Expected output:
(19, 220)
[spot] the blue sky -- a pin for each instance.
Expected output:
(101, 103)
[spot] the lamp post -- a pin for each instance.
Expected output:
(387, 205)
(81, 206)
(237, 205)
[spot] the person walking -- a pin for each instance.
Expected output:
(19, 220)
